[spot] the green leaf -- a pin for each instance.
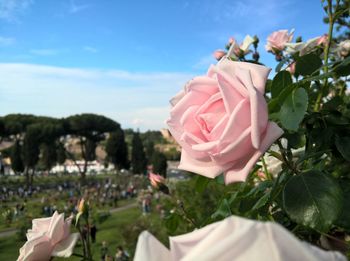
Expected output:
(282, 80)
(172, 222)
(275, 104)
(281, 63)
(313, 200)
(223, 211)
(344, 218)
(307, 64)
(343, 146)
(293, 109)
(220, 179)
(201, 183)
(262, 201)
(77, 218)
(295, 140)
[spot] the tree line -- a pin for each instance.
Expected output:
(39, 142)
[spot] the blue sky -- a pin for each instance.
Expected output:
(126, 59)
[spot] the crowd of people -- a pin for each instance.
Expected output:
(102, 194)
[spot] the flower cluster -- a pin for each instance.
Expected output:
(49, 237)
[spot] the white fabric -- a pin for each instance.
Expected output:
(236, 239)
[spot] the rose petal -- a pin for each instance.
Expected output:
(65, 247)
(36, 249)
(205, 168)
(240, 171)
(56, 231)
(230, 95)
(177, 98)
(149, 248)
(258, 107)
(259, 73)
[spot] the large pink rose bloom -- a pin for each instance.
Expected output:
(48, 237)
(221, 121)
(277, 40)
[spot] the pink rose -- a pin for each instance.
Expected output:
(48, 237)
(242, 49)
(277, 40)
(322, 40)
(218, 54)
(221, 121)
(156, 179)
(291, 68)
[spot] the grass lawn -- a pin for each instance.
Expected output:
(121, 228)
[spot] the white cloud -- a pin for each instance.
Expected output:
(5, 41)
(44, 52)
(10, 10)
(204, 62)
(90, 49)
(59, 92)
(75, 8)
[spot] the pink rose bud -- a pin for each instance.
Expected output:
(277, 40)
(261, 175)
(221, 121)
(156, 179)
(291, 68)
(256, 56)
(218, 54)
(322, 40)
(231, 40)
(48, 237)
(158, 182)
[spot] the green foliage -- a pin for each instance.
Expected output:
(16, 157)
(313, 199)
(48, 155)
(293, 109)
(31, 145)
(307, 64)
(281, 81)
(138, 157)
(159, 163)
(117, 150)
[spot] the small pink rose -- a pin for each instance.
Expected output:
(322, 40)
(277, 40)
(218, 54)
(243, 49)
(261, 175)
(221, 121)
(231, 40)
(291, 68)
(156, 180)
(48, 237)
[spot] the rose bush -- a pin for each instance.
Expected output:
(277, 40)
(48, 237)
(221, 121)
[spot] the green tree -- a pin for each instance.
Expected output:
(159, 163)
(16, 158)
(149, 151)
(61, 154)
(117, 150)
(89, 129)
(138, 157)
(48, 155)
(31, 150)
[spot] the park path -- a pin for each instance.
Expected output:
(12, 231)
